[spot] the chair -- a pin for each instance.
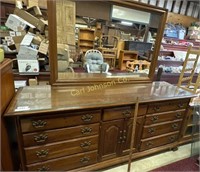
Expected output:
(108, 47)
(94, 62)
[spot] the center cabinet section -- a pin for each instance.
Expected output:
(116, 131)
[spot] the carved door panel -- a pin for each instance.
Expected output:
(127, 131)
(111, 136)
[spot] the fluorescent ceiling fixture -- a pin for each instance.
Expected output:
(126, 23)
(130, 14)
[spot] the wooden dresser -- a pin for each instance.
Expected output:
(89, 128)
(7, 92)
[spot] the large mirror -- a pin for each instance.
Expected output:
(99, 41)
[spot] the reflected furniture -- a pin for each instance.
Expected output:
(137, 65)
(108, 47)
(94, 62)
(86, 39)
(89, 128)
(125, 56)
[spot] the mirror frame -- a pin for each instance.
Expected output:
(51, 7)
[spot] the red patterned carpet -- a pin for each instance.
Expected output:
(186, 165)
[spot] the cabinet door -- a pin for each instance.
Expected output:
(111, 134)
(127, 131)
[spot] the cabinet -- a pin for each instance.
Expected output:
(57, 131)
(125, 56)
(86, 39)
(7, 93)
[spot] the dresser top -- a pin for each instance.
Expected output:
(42, 99)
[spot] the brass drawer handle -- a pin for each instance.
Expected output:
(156, 108)
(126, 113)
(42, 153)
(86, 130)
(172, 138)
(39, 123)
(178, 115)
(85, 145)
(40, 138)
(87, 118)
(175, 126)
(154, 119)
(85, 160)
(149, 144)
(120, 139)
(180, 105)
(43, 168)
(151, 130)
(124, 139)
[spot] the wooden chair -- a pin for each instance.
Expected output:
(139, 64)
(108, 47)
(186, 82)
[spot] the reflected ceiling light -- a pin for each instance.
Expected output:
(126, 23)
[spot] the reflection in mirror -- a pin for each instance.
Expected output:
(97, 39)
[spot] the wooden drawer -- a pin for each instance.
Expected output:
(164, 116)
(66, 120)
(122, 112)
(49, 136)
(158, 141)
(60, 149)
(161, 128)
(167, 106)
(65, 163)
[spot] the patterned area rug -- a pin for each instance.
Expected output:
(186, 165)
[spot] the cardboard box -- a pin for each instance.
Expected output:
(4, 33)
(16, 23)
(26, 52)
(35, 11)
(38, 23)
(32, 3)
(44, 47)
(28, 67)
(10, 42)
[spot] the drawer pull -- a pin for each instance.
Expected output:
(178, 115)
(86, 145)
(39, 124)
(175, 126)
(171, 138)
(154, 119)
(42, 153)
(126, 113)
(156, 108)
(180, 105)
(124, 139)
(40, 138)
(43, 168)
(87, 118)
(86, 130)
(151, 130)
(85, 160)
(149, 144)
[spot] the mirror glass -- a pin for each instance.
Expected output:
(98, 40)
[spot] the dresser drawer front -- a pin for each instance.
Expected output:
(162, 128)
(167, 106)
(49, 136)
(165, 116)
(60, 149)
(65, 163)
(43, 123)
(122, 112)
(158, 141)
